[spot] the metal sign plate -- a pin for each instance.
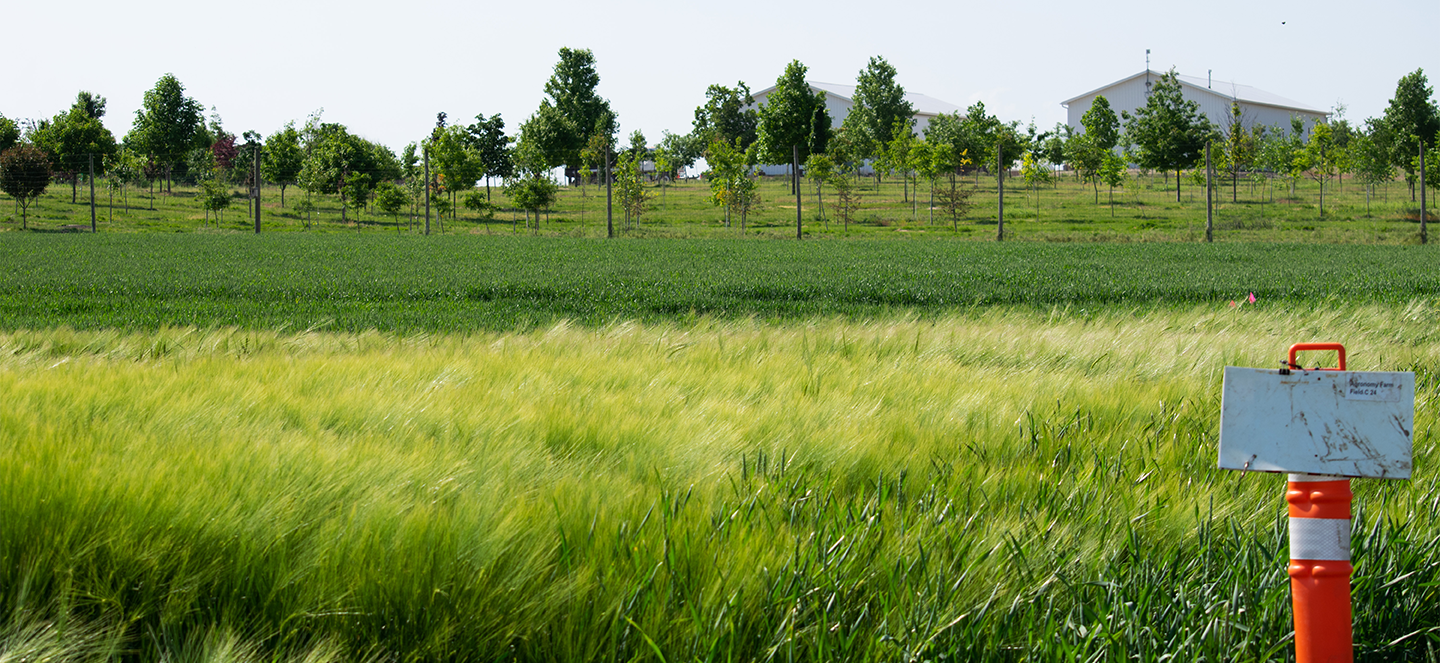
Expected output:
(1343, 423)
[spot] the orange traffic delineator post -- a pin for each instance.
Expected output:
(1320, 568)
(1322, 427)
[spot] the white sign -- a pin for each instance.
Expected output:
(1342, 423)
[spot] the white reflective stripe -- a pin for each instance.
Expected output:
(1307, 478)
(1320, 538)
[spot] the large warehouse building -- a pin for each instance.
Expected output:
(1256, 106)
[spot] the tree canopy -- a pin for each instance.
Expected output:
(728, 114)
(1411, 118)
(1101, 124)
(787, 118)
(880, 107)
(24, 175)
(563, 124)
(167, 124)
(1169, 130)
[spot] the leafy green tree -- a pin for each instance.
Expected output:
(732, 184)
(571, 113)
(9, 133)
(954, 197)
(333, 155)
(390, 199)
(1410, 120)
(787, 118)
(454, 158)
(1113, 174)
(880, 109)
(480, 204)
(1101, 124)
(24, 175)
(1036, 172)
(532, 192)
(684, 150)
(492, 148)
(728, 114)
(1237, 152)
(1370, 162)
(1169, 129)
(819, 168)
(848, 199)
(125, 168)
(1085, 155)
(897, 154)
(167, 124)
(282, 158)
(1319, 159)
(630, 186)
(214, 194)
(71, 139)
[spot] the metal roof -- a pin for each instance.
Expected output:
(1225, 89)
(924, 105)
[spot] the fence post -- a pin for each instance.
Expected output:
(1422, 193)
(92, 192)
(255, 188)
(426, 153)
(609, 211)
(1209, 186)
(795, 159)
(1000, 172)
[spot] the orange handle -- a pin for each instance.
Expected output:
(1298, 347)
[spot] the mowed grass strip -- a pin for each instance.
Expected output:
(1009, 484)
(353, 283)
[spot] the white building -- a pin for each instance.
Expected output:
(839, 99)
(1214, 97)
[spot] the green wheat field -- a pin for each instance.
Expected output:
(328, 448)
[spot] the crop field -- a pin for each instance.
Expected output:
(1065, 210)
(1009, 484)
(449, 284)
(342, 446)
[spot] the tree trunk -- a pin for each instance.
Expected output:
(1177, 184)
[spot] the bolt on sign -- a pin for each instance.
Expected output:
(1320, 426)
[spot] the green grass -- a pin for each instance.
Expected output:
(1065, 211)
(357, 282)
(1007, 484)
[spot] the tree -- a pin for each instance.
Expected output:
(453, 156)
(1319, 159)
(24, 175)
(1370, 161)
(282, 158)
(167, 124)
(214, 194)
(90, 104)
(9, 133)
(683, 151)
(390, 199)
(532, 192)
(71, 139)
(786, 119)
(1411, 119)
(1169, 129)
(728, 114)
(630, 186)
(1101, 124)
(571, 114)
(1036, 172)
(820, 169)
(731, 183)
(1238, 151)
(492, 148)
(124, 168)
(880, 109)
(333, 155)
(1112, 173)
(954, 197)
(1085, 155)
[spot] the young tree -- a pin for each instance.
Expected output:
(1169, 129)
(1318, 159)
(9, 133)
(848, 198)
(390, 199)
(1411, 119)
(1112, 173)
(282, 158)
(1370, 162)
(896, 153)
(819, 168)
(167, 124)
(731, 183)
(571, 113)
(786, 119)
(1035, 172)
(533, 192)
(880, 109)
(630, 187)
(728, 114)
(1101, 124)
(492, 148)
(24, 175)
(954, 197)
(215, 194)
(1238, 150)
(1086, 156)
(72, 139)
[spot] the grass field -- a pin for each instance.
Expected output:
(353, 283)
(338, 446)
(1007, 484)
(1067, 210)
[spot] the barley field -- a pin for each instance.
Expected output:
(1000, 483)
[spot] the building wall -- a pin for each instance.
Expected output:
(1130, 95)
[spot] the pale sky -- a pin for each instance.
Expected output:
(385, 68)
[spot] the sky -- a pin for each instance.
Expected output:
(384, 69)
